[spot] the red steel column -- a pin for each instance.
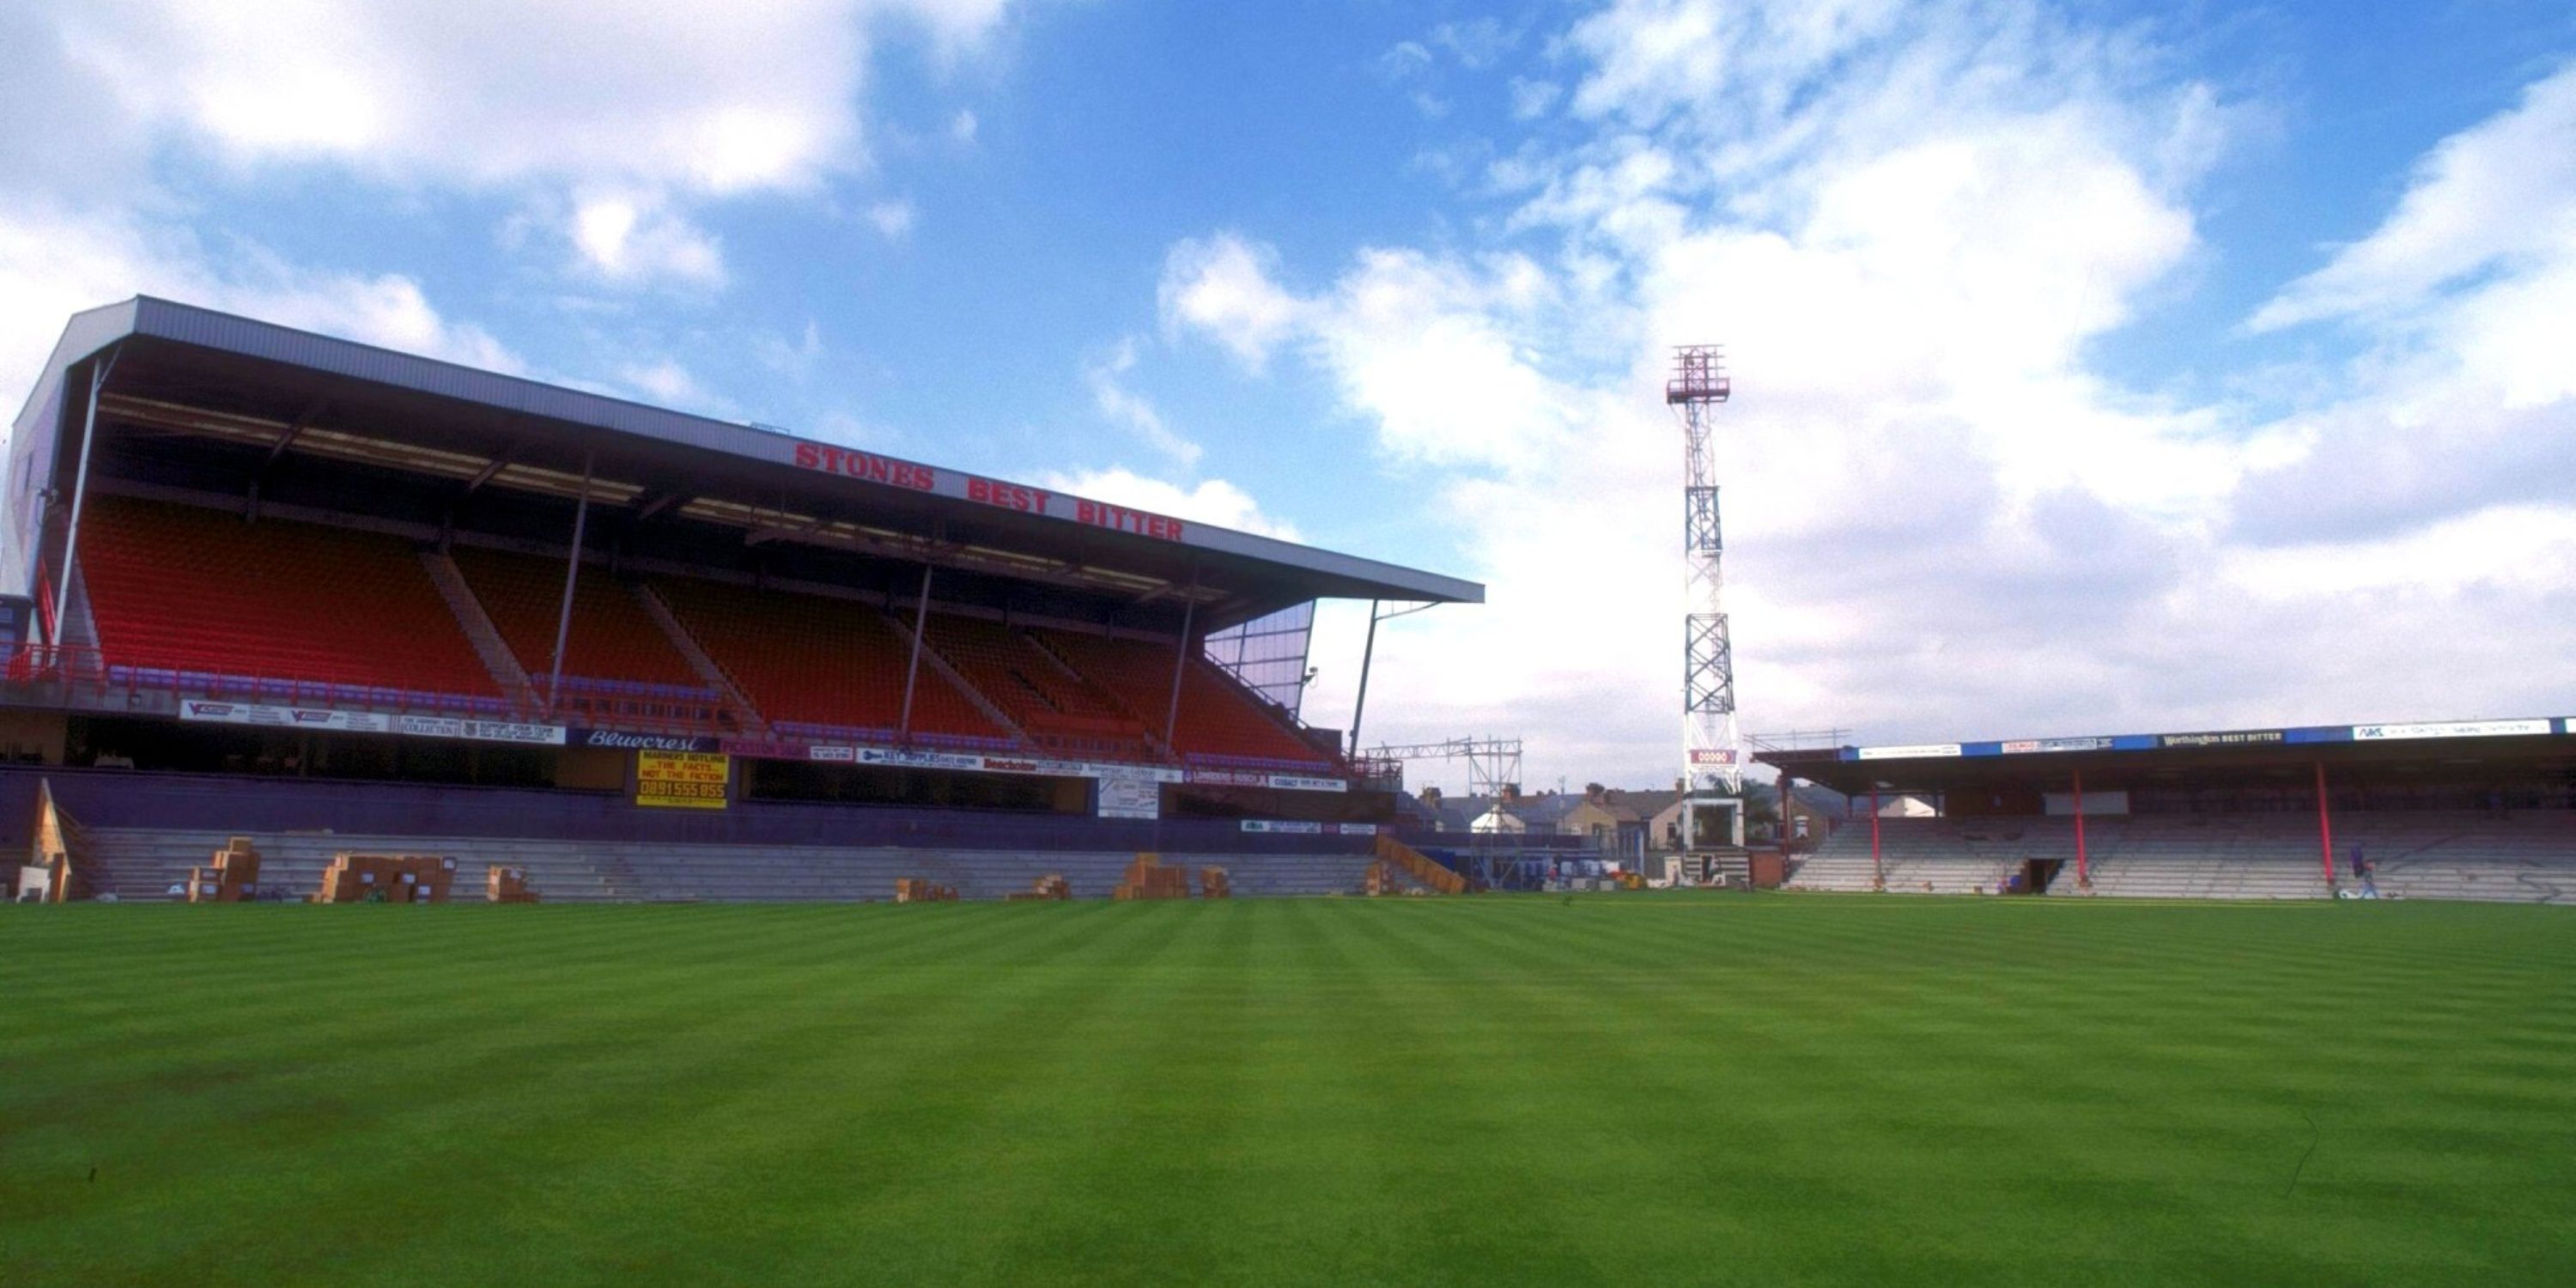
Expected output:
(2325, 826)
(1877, 867)
(2083, 874)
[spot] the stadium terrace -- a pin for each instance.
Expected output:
(270, 581)
(2477, 809)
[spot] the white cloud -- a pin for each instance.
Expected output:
(962, 127)
(893, 219)
(795, 357)
(1477, 43)
(2461, 416)
(1127, 408)
(1911, 225)
(956, 25)
(2454, 553)
(629, 237)
(715, 100)
(1206, 501)
(620, 116)
(1433, 350)
(666, 382)
(1222, 286)
(1404, 60)
(1531, 99)
(2501, 195)
(1430, 347)
(55, 262)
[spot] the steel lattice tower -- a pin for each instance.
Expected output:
(1712, 753)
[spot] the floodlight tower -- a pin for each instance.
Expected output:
(1712, 752)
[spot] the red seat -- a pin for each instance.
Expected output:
(185, 589)
(812, 660)
(611, 636)
(1057, 708)
(1217, 718)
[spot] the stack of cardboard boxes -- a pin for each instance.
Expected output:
(402, 878)
(232, 878)
(916, 890)
(507, 885)
(1215, 884)
(1046, 888)
(1147, 878)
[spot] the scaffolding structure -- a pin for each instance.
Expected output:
(1492, 858)
(1492, 763)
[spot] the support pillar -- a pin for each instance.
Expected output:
(912, 667)
(1877, 863)
(1180, 666)
(2325, 828)
(98, 369)
(1368, 653)
(572, 578)
(2083, 870)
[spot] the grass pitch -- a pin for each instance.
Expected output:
(1610, 1089)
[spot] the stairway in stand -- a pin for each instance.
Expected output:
(1419, 867)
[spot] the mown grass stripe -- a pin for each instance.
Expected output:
(1490, 1090)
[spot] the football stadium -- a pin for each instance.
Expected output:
(339, 600)
(471, 830)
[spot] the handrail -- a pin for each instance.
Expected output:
(85, 671)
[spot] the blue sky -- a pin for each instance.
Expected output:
(2103, 366)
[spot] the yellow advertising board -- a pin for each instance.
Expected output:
(683, 779)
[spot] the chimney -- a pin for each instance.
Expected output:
(1508, 793)
(1431, 797)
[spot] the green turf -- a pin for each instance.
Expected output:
(1626, 1089)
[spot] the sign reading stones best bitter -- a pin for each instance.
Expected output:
(683, 779)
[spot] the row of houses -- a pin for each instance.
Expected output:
(1629, 824)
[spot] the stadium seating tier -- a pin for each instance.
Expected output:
(611, 638)
(822, 666)
(1054, 705)
(1218, 720)
(186, 590)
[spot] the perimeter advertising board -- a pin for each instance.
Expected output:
(683, 779)
(2224, 738)
(1130, 793)
(327, 720)
(2450, 729)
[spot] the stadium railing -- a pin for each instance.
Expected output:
(79, 671)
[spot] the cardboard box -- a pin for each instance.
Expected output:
(504, 884)
(1147, 878)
